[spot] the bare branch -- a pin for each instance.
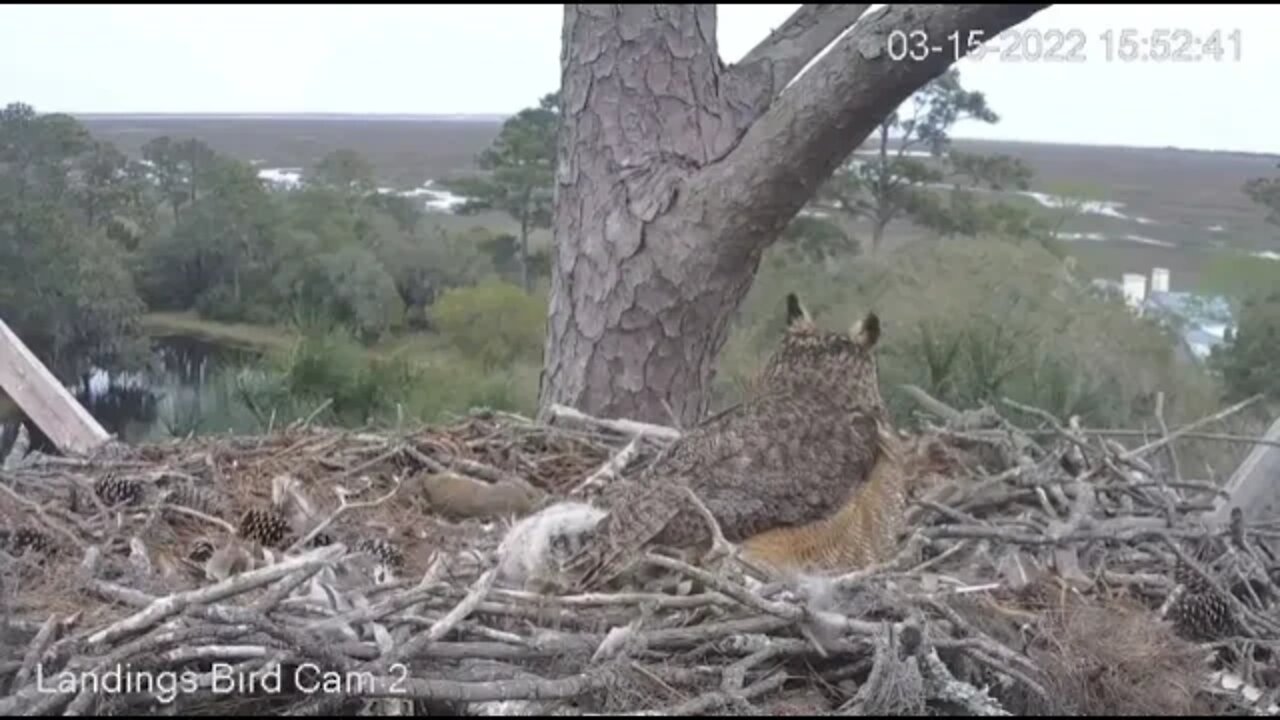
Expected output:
(626, 427)
(829, 111)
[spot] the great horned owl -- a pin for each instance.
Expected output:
(785, 473)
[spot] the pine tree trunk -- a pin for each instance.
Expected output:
(676, 172)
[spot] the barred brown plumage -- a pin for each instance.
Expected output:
(198, 499)
(264, 526)
(114, 490)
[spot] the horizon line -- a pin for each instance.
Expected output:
(499, 117)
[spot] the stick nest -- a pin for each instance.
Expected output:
(1065, 574)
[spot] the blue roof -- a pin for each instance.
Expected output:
(1198, 309)
(1199, 313)
(1196, 336)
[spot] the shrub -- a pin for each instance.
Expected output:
(493, 324)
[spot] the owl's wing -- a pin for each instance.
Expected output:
(633, 522)
(790, 473)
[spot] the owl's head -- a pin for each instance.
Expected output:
(828, 361)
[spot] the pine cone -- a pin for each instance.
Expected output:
(1201, 614)
(30, 539)
(201, 551)
(384, 550)
(266, 527)
(113, 490)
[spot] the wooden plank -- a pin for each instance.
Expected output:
(1255, 485)
(45, 400)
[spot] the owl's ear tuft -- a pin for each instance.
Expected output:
(796, 312)
(866, 332)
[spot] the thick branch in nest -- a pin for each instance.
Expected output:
(168, 606)
(631, 428)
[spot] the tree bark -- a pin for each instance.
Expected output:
(675, 172)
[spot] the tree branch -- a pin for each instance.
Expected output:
(779, 58)
(831, 110)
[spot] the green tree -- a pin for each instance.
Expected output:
(222, 243)
(112, 192)
(520, 166)
(893, 182)
(363, 294)
(35, 151)
(345, 171)
(64, 285)
(181, 168)
(1250, 360)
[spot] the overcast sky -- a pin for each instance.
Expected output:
(409, 59)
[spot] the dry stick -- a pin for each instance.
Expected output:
(379, 458)
(1217, 437)
(626, 427)
(1220, 415)
(343, 507)
(660, 600)
(947, 687)
(992, 652)
(479, 589)
(314, 414)
(741, 594)
(448, 690)
(44, 517)
(473, 692)
(275, 595)
(611, 468)
(173, 604)
(1066, 433)
(120, 594)
(731, 690)
(184, 510)
(932, 404)
(152, 642)
(1164, 433)
(292, 638)
(38, 645)
(375, 613)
